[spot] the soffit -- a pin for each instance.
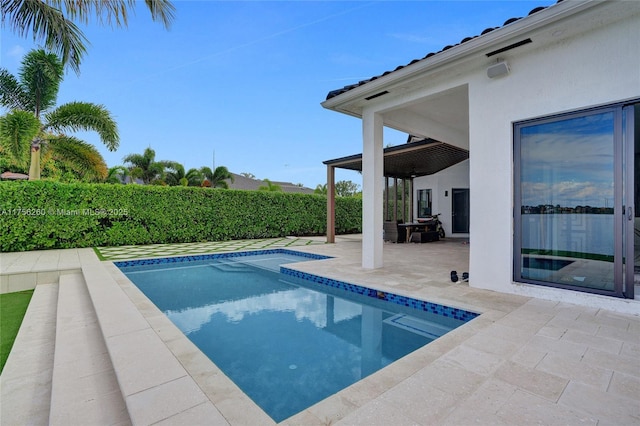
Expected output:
(410, 160)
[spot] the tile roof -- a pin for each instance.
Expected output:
(344, 89)
(243, 182)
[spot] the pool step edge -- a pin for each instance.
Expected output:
(25, 383)
(84, 387)
(153, 383)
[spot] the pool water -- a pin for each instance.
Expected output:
(287, 342)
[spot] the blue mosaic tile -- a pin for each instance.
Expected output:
(446, 311)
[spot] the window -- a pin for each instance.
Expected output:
(424, 203)
(570, 177)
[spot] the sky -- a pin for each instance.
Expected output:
(239, 83)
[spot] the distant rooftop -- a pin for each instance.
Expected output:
(243, 182)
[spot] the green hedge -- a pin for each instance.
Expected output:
(48, 215)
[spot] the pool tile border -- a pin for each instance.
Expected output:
(435, 308)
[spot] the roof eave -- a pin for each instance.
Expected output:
(481, 44)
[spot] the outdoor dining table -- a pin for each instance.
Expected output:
(414, 226)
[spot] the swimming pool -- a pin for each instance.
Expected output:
(287, 339)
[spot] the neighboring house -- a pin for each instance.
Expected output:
(242, 182)
(548, 108)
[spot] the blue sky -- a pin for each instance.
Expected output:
(245, 79)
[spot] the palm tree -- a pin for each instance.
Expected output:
(46, 20)
(117, 174)
(321, 189)
(175, 175)
(144, 167)
(35, 124)
(194, 177)
(218, 177)
(269, 186)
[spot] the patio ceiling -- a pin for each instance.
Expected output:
(410, 160)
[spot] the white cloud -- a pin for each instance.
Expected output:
(304, 304)
(16, 51)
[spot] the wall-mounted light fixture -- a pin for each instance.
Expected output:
(498, 70)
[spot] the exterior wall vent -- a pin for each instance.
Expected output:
(509, 47)
(368, 98)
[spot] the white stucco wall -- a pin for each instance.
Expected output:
(456, 176)
(595, 68)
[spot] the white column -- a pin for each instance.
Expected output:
(372, 190)
(331, 204)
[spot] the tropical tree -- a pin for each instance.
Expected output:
(321, 189)
(218, 177)
(194, 177)
(269, 186)
(346, 188)
(51, 21)
(145, 167)
(175, 174)
(34, 124)
(117, 174)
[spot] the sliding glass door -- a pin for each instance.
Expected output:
(574, 196)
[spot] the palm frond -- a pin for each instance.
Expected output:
(194, 177)
(40, 76)
(145, 166)
(207, 173)
(114, 12)
(12, 95)
(220, 176)
(17, 130)
(174, 173)
(134, 159)
(48, 24)
(82, 157)
(161, 10)
(77, 116)
(117, 174)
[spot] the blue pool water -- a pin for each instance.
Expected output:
(287, 339)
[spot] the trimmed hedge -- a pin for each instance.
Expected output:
(48, 215)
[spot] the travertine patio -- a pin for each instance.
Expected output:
(94, 350)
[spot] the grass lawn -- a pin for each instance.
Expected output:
(12, 309)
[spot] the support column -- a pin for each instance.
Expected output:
(411, 216)
(395, 199)
(331, 204)
(372, 190)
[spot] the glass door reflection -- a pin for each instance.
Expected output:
(568, 201)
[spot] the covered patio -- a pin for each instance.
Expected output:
(402, 164)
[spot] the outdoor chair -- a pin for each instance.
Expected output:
(393, 233)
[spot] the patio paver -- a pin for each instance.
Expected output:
(165, 250)
(522, 361)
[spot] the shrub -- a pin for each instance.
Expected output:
(47, 215)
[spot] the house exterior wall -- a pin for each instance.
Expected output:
(456, 176)
(582, 55)
(594, 68)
